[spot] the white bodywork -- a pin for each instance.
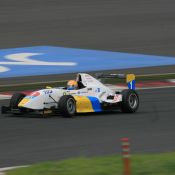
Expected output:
(47, 98)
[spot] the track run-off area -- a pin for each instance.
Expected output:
(139, 27)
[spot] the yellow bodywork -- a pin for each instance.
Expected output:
(23, 102)
(83, 104)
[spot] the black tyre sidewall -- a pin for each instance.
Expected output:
(16, 98)
(125, 105)
(63, 106)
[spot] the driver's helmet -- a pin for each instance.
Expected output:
(72, 85)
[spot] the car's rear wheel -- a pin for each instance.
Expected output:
(130, 101)
(67, 106)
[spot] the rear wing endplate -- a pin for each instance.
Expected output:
(131, 82)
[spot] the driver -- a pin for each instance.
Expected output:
(72, 85)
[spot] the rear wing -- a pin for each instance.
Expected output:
(130, 78)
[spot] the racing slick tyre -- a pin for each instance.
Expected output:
(130, 101)
(67, 106)
(16, 98)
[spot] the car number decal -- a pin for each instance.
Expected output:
(48, 92)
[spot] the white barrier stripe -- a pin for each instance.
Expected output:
(127, 156)
(126, 149)
(125, 143)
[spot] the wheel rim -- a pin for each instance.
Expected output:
(71, 106)
(133, 101)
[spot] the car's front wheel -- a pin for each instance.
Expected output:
(130, 101)
(16, 98)
(67, 106)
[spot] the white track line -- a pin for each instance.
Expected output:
(143, 75)
(3, 170)
(172, 80)
(4, 97)
(147, 75)
(161, 87)
(144, 88)
(33, 83)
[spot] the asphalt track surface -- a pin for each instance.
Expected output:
(135, 26)
(25, 140)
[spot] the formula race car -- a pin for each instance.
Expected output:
(91, 95)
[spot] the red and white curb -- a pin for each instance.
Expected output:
(7, 95)
(3, 170)
(140, 86)
(147, 85)
(152, 84)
